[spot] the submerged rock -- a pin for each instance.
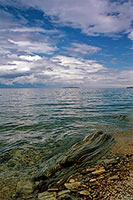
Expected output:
(47, 195)
(25, 186)
(121, 117)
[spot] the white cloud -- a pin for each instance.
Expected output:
(92, 16)
(130, 35)
(77, 49)
(27, 41)
(17, 64)
(30, 58)
(34, 47)
(62, 70)
(32, 30)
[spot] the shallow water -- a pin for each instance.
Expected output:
(57, 118)
(36, 125)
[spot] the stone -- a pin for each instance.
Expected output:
(84, 192)
(93, 180)
(115, 177)
(90, 169)
(87, 179)
(58, 182)
(71, 180)
(63, 192)
(100, 177)
(72, 186)
(121, 117)
(109, 161)
(47, 196)
(66, 197)
(25, 186)
(99, 171)
(53, 189)
(18, 153)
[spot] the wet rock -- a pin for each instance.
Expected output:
(25, 186)
(90, 170)
(11, 163)
(5, 158)
(3, 168)
(84, 192)
(93, 180)
(67, 197)
(109, 161)
(121, 117)
(18, 153)
(71, 180)
(72, 186)
(100, 177)
(89, 150)
(99, 171)
(47, 196)
(115, 177)
(87, 179)
(63, 192)
(53, 189)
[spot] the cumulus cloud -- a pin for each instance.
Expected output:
(94, 17)
(26, 41)
(62, 70)
(33, 47)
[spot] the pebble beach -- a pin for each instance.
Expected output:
(111, 178)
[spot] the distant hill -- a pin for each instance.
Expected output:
(130, 87)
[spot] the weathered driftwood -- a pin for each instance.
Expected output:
(63, 165)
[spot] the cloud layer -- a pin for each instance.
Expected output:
(93, 17)
(61, 70)
(38, 49)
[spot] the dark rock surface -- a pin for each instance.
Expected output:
(63, 165)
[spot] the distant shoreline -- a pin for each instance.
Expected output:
(71, 87)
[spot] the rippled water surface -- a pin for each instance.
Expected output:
(43, 118)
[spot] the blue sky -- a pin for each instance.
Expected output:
(55, 43)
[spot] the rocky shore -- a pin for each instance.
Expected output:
(110, 177)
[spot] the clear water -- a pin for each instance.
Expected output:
(47, 118)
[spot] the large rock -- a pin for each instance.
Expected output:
(63, 165)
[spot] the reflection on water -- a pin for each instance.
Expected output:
(60, 117)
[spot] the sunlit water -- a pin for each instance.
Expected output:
(57, 118)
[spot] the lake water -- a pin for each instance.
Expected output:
(58, 118)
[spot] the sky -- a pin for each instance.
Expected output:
(63, 43)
